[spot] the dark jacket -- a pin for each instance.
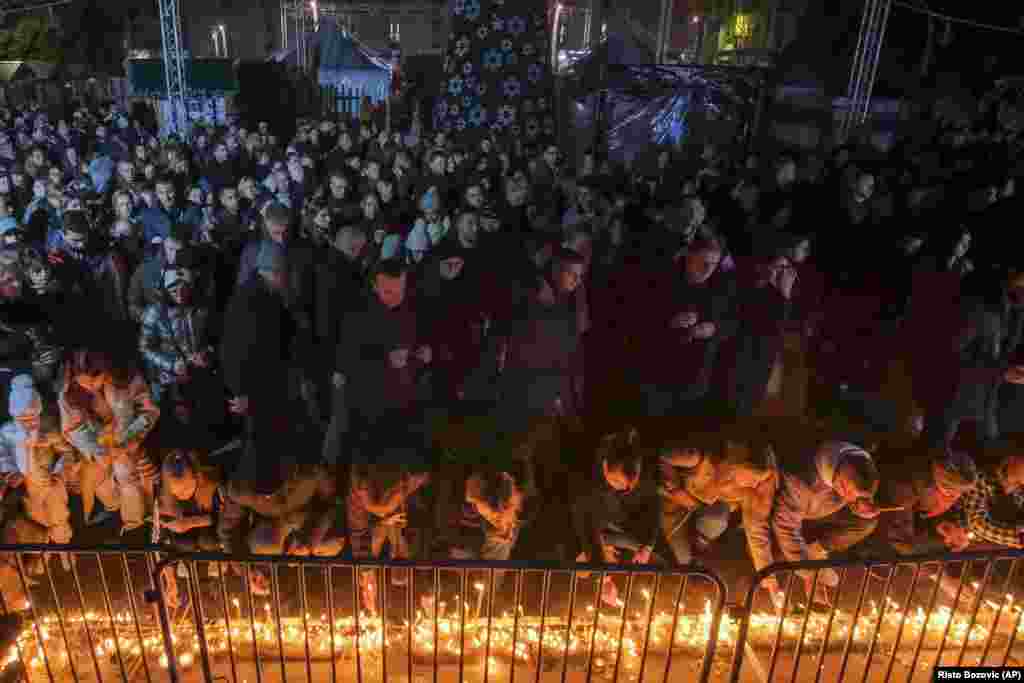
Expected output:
(596, 506)
(374, 389)
(301, 275)
(666, 357)
(259, 344)
(340, 288)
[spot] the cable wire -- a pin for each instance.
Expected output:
(958, 20)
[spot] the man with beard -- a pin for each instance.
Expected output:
(85, 264)
(157, 221)
(693, 313)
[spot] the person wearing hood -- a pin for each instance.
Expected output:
(34, 453)
(825, 504)
(147, 284)
(264, 352)
(533, 360)
(455, 307)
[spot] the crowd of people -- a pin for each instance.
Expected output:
(356, 342)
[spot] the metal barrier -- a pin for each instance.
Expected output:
(888, 620)
(322, 619)
(84, 613)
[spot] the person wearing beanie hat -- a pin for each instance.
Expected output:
(31, 451)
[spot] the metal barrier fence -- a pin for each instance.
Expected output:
(888, 620)
(321, 619)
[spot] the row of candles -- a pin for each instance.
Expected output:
(506, 637)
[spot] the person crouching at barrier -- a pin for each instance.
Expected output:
(824, 505)
(918, 497)
(189, 503)
(704, 479)
(992, 512)
(615, 514)
(106, 413)
(33, 449)
(290, 509)
(494, 512)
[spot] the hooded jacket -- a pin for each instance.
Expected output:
(124, 414)
(807, 492)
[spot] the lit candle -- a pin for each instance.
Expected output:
(479, 598)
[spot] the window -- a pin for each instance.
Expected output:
(394, 31)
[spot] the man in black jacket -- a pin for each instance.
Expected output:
(261, 354)
(380, 361)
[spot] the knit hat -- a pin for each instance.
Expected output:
(271, 257)
(955, 471)
(24, 400)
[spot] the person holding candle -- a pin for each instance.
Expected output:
(992, 512)
(824, 504)
(705, 477)
(107, 411)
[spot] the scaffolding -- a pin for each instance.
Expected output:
(865, 64)
(174, 64)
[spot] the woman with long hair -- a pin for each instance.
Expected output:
(107, 411)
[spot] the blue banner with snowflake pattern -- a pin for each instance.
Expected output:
(496, 71)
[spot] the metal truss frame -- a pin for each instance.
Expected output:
(865, 64)
(174, 64)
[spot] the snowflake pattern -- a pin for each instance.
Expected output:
(517, 26)
(493, 59)
(495, 69)
(512, 88)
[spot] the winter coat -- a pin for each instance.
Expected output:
(374, 389)
(667, 358)
(295, 501)
(121, 416)
(171, 334)
(806, 492)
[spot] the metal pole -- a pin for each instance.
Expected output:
(878, 53)
(856, 70)
(664, 29)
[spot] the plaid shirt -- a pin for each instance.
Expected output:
(976, 510)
